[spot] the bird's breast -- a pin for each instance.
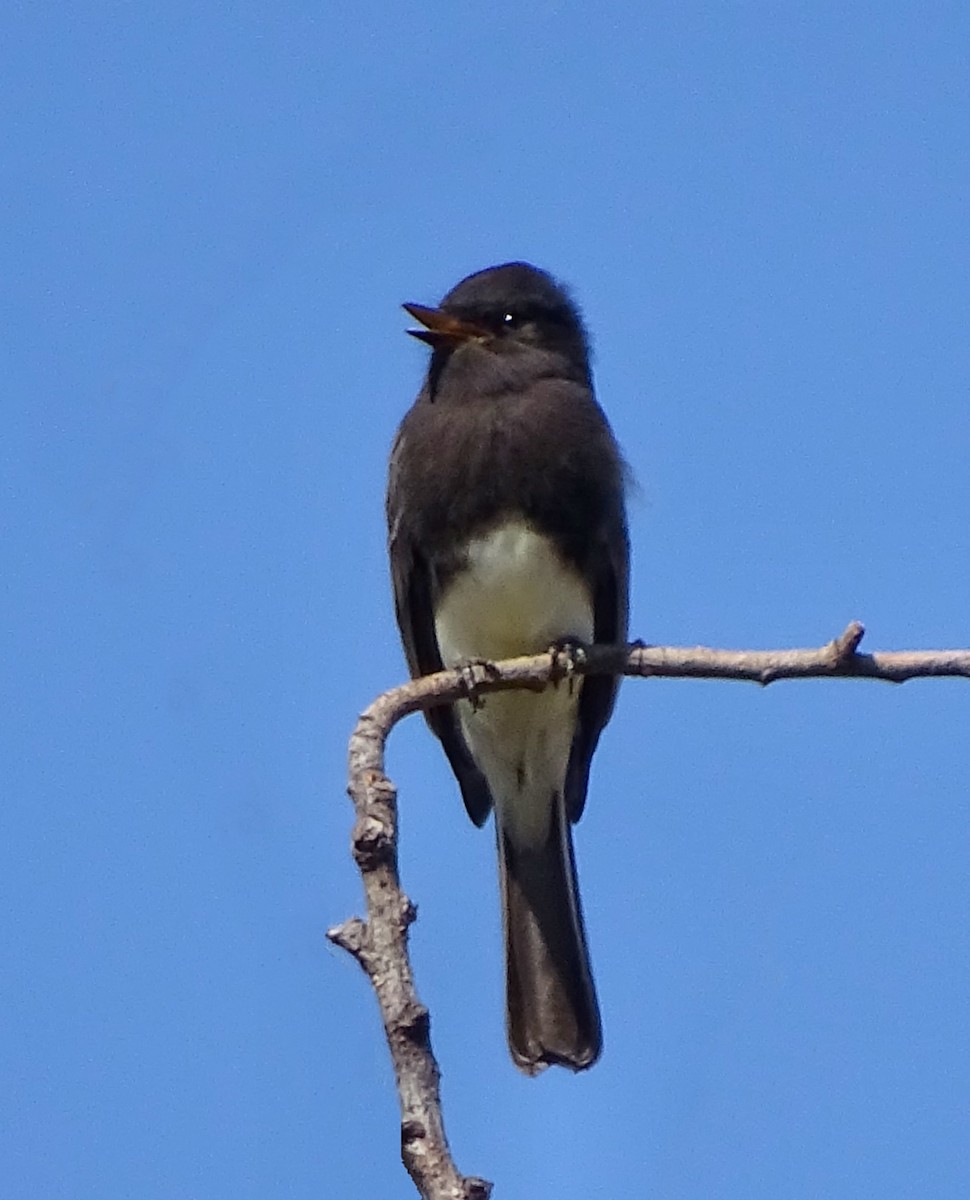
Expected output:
(514, 594)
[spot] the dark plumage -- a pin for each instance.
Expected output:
(506, 530)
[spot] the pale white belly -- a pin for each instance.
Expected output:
(516, 596)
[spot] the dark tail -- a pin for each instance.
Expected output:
(551, 1010)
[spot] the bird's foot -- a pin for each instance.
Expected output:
(567, 654)
(474, 672)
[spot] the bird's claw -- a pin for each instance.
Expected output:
(567, 654)
(474, 672)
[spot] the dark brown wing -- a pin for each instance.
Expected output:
(610, 574)
(414, 605)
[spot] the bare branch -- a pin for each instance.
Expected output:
(380, 946)
(380, 943)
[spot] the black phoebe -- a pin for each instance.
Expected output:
(507, 535)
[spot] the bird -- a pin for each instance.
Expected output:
(507, 535)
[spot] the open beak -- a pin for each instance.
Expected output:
(441, 328)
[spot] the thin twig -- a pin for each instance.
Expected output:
(380, 943)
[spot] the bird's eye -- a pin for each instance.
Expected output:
(511, 320)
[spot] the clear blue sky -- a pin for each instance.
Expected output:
(212, 215)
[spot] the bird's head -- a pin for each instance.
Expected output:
(513, 313)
